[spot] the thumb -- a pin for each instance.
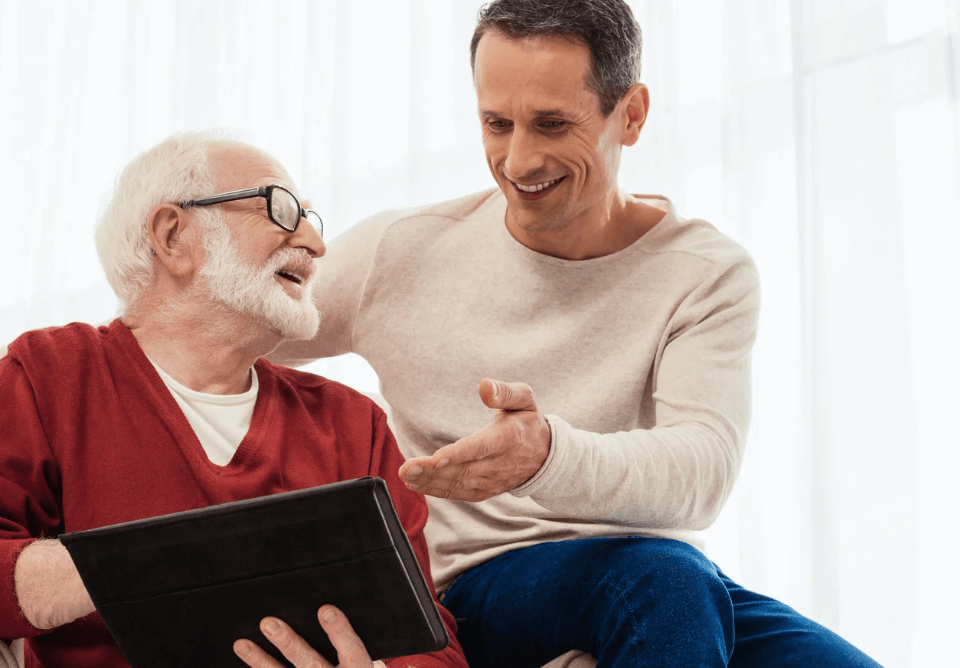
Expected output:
(507, 396)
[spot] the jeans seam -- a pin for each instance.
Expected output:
(625, 601)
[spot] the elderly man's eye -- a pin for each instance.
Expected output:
(553, 125)
(499, 125)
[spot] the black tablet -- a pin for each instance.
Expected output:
(178, 590)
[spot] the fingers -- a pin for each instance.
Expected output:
(485, 442)
(475, 447)
(253, 656)
(291, 645)
(490, 461)
(415, 466)
(466, 482)
(507, 396)
(350, 649)
(446, 462)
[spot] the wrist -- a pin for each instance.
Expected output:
(48, 586)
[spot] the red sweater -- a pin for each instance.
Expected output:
(90, 436)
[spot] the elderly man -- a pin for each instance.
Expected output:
(170, 407)
(569, 521)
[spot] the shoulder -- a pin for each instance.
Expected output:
(728, 263)
(461, 208)
(317, 393)
(422, 219)
(701, 239)
(697, 248)
(346, 425)
(695, 238)
(705, 268)
(394, 243)
(60, 347)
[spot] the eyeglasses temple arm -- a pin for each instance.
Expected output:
(227, 197)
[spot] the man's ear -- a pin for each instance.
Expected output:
(170, 232)
(635, 105)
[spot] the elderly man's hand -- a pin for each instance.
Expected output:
(495, 459)
(350, 649)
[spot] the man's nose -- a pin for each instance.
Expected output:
(525, 154)
(308, 238)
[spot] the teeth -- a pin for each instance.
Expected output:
(290, 274)
(537, 188)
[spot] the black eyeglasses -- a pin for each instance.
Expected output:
(282, 207)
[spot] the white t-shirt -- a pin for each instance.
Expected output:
(219, 420)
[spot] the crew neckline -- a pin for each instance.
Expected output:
(209, 398)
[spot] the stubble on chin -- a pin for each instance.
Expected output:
(552, 220)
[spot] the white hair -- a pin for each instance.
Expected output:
(175, 170)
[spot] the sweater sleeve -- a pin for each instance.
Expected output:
(412, 509)
(29, 488)
(340, 285)
(679, 473)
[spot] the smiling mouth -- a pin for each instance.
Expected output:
(537, 187)
(290, 276)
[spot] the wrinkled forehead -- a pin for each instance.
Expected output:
(236, 166)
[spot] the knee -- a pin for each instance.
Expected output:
(682, 565)
(674, 572)
(686, 573)
(669, 590)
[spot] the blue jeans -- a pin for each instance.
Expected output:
(629, 602)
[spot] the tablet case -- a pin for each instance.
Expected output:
(178, 590)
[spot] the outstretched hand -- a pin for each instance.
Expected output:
(350, 649)
(495, 459)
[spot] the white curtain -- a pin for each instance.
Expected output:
(824, 135)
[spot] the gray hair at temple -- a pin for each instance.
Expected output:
(175, 170)
(606, 27)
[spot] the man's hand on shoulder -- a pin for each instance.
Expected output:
(350, 649)
(495, 459)
(48, 586)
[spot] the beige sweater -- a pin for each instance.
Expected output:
(640, 359)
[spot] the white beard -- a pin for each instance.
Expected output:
(255, 290)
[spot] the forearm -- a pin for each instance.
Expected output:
(679, 471)
(48, 586)
(676, 477)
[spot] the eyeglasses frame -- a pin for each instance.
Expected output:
(263, 191)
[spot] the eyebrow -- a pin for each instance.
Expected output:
(539, 114)
(553, 112)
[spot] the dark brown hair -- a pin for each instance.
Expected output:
(606, 27)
